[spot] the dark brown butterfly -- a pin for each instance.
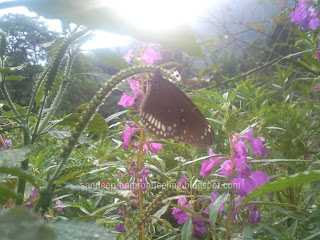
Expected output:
(168, 113)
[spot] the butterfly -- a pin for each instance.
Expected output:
(167, 112)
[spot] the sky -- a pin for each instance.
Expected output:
(137, 11)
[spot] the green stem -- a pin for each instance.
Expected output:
(59, 95)
(35, 92)
(24, 166)
(228, 235)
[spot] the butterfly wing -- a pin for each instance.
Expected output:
(168, 113)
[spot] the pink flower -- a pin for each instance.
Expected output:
(155, 147)
(207, 165)
(247, 181)
(254, 214)
(127, 100)
(256, 145)
(120, 228)
(225, 168)
(129, 56)
(143, 175)
(127, 134)
(214, 197)
(179, 214)
(150, 55)
(135, 87)
(34, 193)
(183, 180)
(58, 202)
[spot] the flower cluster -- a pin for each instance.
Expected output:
(243, 179)
(149, 56)
(305, 15)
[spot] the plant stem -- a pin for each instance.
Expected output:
(24, 165)
(228, 235)
(140, 165)
(59, 95)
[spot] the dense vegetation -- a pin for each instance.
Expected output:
(73, 169)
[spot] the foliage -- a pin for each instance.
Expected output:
(95, 177)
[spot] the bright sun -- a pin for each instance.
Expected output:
(144, 14)
(159, 15)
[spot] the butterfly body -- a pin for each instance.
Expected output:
(168, 113)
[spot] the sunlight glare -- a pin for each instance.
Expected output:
(159, 15)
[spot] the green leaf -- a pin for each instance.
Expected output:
(214, 210)
(231, 123)
(247, 233)
(283, 183)
(156, 170)
(159, 213)
(76, 229)
(187, 229)
(122, 195)
(20, 223)
(19, 173)
(18, 107)
(291, 231)
(262, 203)
(184, 209)
(115, 115)
(210, 93)
(274, 231)
(279, 160)
(14, 78)
(60, 134)
(106, 56)
(207, 102)
(98, 124)
(6, 194)
(164, 222)
(10, 158)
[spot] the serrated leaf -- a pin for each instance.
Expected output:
(10, 158)
(6, 194)
(186, 231)
(97, 124)
(159, 213)
(60, 134)
(18, 107)
(207, 102)
(14, 78)
(214, 210)
(211, 93)
(84, 230)
(156, 170)
(283, 183)
(19, 173)
(274, 231)
(233, 94)
(20, 223)
(247, 232)
(231, 123)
